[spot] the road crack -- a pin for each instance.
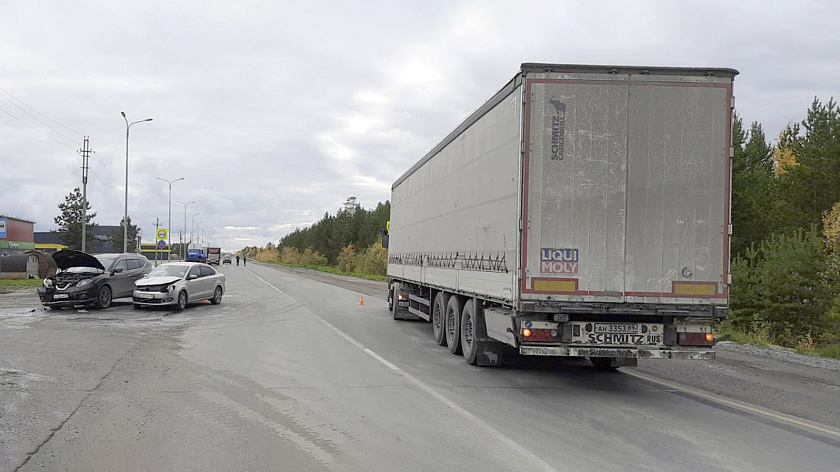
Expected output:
(90, 392)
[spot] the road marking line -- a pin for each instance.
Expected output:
(734, 404)
(537, 462)
(267, 282)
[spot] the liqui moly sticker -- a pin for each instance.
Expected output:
(559, 261)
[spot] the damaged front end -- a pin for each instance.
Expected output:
(74, 284)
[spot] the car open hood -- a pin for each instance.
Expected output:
(157, 280)
(68, 258)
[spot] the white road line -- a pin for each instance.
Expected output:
(267, 283)
(536, 462)
(735, 404)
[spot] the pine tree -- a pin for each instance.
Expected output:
(753, 186)
(811, 186)
(116, 237)
(70, 220)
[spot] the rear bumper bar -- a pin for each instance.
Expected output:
(616, 352)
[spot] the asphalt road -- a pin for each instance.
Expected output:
(291, 373)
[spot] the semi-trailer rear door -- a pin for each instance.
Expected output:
(626, 187)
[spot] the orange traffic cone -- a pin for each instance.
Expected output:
(361, 300)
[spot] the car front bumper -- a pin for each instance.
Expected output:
(140, 297)
(72, 297)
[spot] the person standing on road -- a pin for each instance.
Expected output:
(244, 259)
(237, 259)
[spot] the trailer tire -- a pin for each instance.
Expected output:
(453, 324)
(469, 332)
(438, 317)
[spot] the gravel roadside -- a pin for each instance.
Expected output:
(781, 354)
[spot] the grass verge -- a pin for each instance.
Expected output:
(738, 336)
(758, 339)
(9, 285)
(333, 270)
(829, 350)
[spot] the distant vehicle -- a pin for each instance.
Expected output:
(227, 259)
(83, 279)
(180, 283)
(214, 255)
(196, 255)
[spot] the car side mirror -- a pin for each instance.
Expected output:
(118, 270)
(192, 277)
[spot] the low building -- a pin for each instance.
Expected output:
(50, 241)
(16, 235)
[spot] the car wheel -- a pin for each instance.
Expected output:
(182, 301)
(217, 296)
(103, 298)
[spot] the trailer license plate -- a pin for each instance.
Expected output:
(617, 328)
(60, 296)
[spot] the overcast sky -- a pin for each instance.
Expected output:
(276, 112)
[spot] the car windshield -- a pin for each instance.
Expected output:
(169, 270)
(107, 260)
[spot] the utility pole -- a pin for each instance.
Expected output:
(85, 151)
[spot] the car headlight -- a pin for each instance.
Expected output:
(84, 283)
(48, 283)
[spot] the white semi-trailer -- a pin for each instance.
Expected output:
(581, 211)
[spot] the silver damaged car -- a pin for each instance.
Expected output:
(180, 283)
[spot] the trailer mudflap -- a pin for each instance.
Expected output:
(490, 352)
(616, 352)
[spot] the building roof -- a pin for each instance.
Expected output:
(16, 218)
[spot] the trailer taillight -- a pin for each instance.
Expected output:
(539, 335)
(695, 339)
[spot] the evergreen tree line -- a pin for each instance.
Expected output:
(346, 231)
(786, 230)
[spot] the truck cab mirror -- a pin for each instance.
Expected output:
(384, 238)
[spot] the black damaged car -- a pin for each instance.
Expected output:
(85, 280)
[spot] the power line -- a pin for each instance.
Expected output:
(38, 112)
(117, 185)
(36, 129)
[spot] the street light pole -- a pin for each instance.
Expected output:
(169, 228)
(184, 233)
(125, 214)
(192, 227)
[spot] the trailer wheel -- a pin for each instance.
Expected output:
(453, 324)
(469, 332)
(439, 318)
